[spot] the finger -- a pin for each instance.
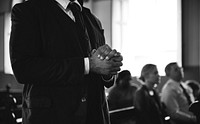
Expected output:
(106, 51)
(111, 54)
(116, 64)
(116, 69)
(118, 54)
(93, 51)
(117, 58)
(103, 51)
(105, 54)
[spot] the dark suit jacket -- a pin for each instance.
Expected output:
(48, 58)
(148, 107)
(195, 109)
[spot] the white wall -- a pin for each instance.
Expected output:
(102, 9)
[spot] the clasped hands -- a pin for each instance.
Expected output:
(105, 61)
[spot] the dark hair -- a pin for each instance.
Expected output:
(168, 68)
(193, 86)
(146, 70)
(123, 76)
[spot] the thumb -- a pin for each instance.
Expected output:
(93, 51)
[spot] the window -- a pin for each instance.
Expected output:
(7, 25)
(147, 31)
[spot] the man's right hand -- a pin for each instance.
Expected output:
(103, 66)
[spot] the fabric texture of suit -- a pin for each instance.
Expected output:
(47, 57)
(148, 107)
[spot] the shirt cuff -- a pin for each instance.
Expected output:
(87, 65)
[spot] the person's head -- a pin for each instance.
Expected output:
(149, 75)
(173, 71)
(123, 78)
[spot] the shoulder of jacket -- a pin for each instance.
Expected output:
(141, 90)
(20, 9)
(96, 19)
(24, 6)
(21, 5)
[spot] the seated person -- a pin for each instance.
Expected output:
(147, 101)
(175, 97)
(195, 86)
(121, 95)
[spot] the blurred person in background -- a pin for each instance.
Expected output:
(195, 86)
(147, 101)
(120, 99)
(122, 94)
(195, 107)
(175, 96)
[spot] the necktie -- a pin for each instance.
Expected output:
(81, 28)
(186, 94)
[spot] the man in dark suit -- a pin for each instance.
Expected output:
(146, 100)
(64, 71)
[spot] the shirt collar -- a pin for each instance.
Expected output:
(64, 3)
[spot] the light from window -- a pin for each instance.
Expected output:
(147, 31)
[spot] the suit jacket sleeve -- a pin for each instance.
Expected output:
(97, 35)
(28, 63)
